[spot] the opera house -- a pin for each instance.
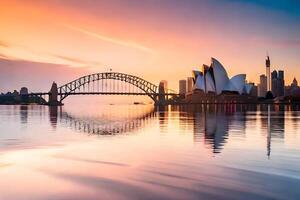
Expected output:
(212, 84)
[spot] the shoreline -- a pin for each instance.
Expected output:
(174, 103)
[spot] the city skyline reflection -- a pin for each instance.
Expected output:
(211, 124)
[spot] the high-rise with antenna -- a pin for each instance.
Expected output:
(268, 73)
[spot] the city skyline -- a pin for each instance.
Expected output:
(80, 38)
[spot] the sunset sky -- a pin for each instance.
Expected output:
(44, 41)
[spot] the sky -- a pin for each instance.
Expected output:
(42, 41)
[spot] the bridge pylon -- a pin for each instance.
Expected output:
(53, 94)
(161, 98)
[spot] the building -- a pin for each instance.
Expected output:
(274, 88)
(278, 83)
(294, 83)
(24, 91)
(254, 90)
(23, 95)
(214, 79)
(281, 83)
(165, 85)
(268, 70)
(190, 84)
(293, 89)
(263, 86)
(182, 87)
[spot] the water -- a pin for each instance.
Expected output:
(141, 152)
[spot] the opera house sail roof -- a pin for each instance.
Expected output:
(214, 78)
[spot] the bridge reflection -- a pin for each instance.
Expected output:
(96, 125)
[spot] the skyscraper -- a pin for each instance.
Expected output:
(263, 86)
(281, 83)
(274, 80)
(278, 83)
(182, 87)
(268, 71)
(281, 74)
(190, 84)
(274, 75)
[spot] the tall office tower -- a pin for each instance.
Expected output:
(281, 74)
(274, 75)
(268, 71)
(280, 83)
(274, 86)
(190, 84)
(182, 87)
(263, 86)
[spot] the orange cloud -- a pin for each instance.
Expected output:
(78, 61)
(111, 40)
(3, 44)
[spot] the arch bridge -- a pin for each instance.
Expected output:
(108, 83)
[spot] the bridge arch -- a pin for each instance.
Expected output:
(74, 86)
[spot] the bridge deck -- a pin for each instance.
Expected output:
(98, 93)
(115, 93)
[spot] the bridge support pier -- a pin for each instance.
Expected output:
(53, 96)
(161, 98)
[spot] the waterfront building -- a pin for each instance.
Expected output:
(214, 79)
(15, 93)
(263, 85)
(254, 90)
(190, 84)
(278, 83)
(24, 91)
(293, 89)
(294, 83)
(182, 87)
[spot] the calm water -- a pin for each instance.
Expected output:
(138, 152)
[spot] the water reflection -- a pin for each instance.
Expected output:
(211, 125)
(273, 122)
(214, 123)
(53, 115)
(24, 114)
(134, 152)
(216, 130)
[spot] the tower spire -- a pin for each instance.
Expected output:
(268, 72)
